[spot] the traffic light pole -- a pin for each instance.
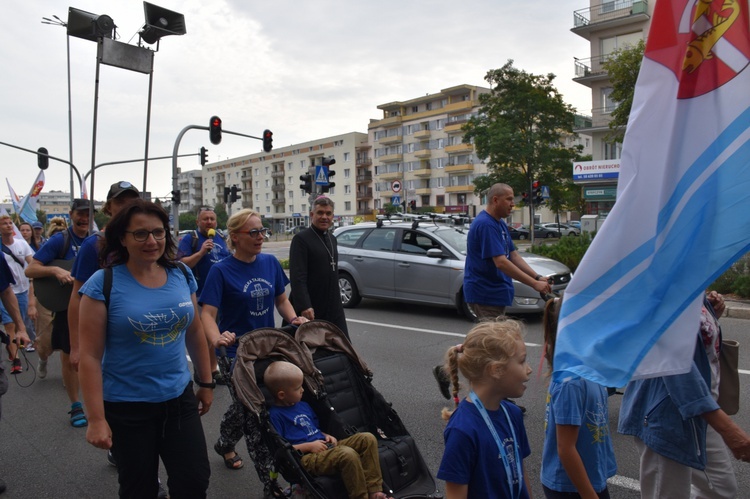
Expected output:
(37, 153)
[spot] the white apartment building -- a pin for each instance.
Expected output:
(190, 185)
(270, 182)
(608, 25)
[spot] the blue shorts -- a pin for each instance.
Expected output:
(23, 304)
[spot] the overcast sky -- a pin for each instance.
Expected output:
(304, 69)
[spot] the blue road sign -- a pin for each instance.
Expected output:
(321, 175)
(396, 200)
(545, 192)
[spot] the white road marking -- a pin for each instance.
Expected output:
(625, 482)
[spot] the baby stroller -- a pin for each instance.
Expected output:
(338, 387)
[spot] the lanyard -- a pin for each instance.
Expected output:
(501, 448)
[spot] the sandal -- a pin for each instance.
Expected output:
(230, 462)
(77, 416)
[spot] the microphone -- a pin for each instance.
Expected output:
(211, 233)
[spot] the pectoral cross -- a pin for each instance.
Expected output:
(333, 265)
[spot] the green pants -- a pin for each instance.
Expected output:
(355, 459)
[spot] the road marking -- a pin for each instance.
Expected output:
(420, 330)
(625, 482)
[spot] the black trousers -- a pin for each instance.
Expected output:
(142, 432)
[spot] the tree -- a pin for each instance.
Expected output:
(623, 67)
(519, 131)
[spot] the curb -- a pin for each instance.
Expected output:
(737, 312)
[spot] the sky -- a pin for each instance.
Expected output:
(303, 69)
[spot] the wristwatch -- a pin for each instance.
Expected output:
(210, 385)
(538, 276)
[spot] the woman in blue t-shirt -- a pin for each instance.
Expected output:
(140, 317)
(239, 295)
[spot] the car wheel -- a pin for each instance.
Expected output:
(572, 234)
(465, 309)
(349, 295)
(521, 236)
(550, 234)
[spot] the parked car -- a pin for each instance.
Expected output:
(542, 232)
(576, 224)
(422, 264)
(564, 229)
(295, 229)
(519, 233)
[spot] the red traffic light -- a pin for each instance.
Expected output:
(267, 140)
(214, 130)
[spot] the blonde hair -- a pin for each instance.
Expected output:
(57, 224)
(279, 375)
(237, 221)
(491, 342)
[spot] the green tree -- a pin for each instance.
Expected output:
(623, 67)
(519, 132)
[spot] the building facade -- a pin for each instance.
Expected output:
(269, 183)
(608, 25)
(190, 185)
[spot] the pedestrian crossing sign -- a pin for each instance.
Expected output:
(321, 175)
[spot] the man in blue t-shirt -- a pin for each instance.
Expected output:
(492, 262)
(54, 249)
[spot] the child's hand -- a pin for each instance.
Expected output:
(331, 440)
(318, 446)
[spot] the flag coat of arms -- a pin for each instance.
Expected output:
(682, 215)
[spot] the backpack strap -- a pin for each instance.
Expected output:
(7, 251)
(194, 244)
(107, 285)
(65, 244)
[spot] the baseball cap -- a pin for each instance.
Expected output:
(80, 204)
(37, 225)
(119, 187)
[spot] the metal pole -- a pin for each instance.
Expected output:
(86, 175)
(70, 123)
(100, 48)
(148, 122)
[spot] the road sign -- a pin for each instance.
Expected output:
(395, 200)
(545, 192)
(321, 175)
(396, 186)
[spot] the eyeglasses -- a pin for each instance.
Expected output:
(206, 208)
(141, 235)
(254, 232)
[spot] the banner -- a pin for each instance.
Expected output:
(681, 218)
(21, 205)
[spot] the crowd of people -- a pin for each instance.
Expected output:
(143, 403)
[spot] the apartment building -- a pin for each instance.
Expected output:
(190, 184)
(418, 155)
(269, 183)
(608, 25)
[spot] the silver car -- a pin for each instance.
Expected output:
(422, 263)
(564, 229)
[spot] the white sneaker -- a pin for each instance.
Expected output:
(41, 369)
(30, 348)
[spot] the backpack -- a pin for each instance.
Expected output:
(53, 296)
(108, 274)
(7, 251)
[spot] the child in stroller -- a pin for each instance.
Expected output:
(354, 458)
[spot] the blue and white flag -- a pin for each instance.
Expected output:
(682, 215)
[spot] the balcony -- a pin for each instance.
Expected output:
(391, 139)
(590, 69)
(363, 162)
(460, 188)
(600, 118)
(422, 172)
(247, 203)
(609, 14)
(464, 167)
(391, 158)
(454, 126)
(422, 134)
(278, 201)
(464, 105)
(364, 194)
(364, 177)
(423, 153)
(459, 148)
(277, 174)
(278, 188)
(390, 175)
(423, 191)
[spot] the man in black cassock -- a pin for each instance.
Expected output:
(313, 268)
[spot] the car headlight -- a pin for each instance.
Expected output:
(522, 300)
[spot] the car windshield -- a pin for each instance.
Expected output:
(454, 238)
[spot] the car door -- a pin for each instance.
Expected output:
(418, 277)
(374, 260)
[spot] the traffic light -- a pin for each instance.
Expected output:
(307, 183)
(413, 205)
(176, 197)
(227, 191)
(327, 162)
(267, 140)
(525, 198)
(233, 194)
(204, 156)
(42, 159)
(214, 130)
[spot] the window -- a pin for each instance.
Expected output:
(347, 156)
(291, 195)
(609, 45)
(347, 189)
(415, 109)
(267, 196)
(266, 170)
(608, 104)
(347, 172)
(612, 150)
(257, 184)
(257, 172)
(380, 240)
(268, 183)
(257, 197)
(291, 208)
(350, 237)
(347, 205)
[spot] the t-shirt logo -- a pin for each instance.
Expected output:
(704, 42)
(259, 289)
(159, 329)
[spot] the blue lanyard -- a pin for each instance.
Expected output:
(503, 454)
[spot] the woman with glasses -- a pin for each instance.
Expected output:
(140, 316)
(242, 291)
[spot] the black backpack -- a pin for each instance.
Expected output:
(107, 285)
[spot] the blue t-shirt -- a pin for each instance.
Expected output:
(6, 276)
(51, 249)
(297, 423)
(471, 455)
(484, 284)
(244, 293)
(144, 353)
(202, 268)
(88, 263)
(578, 402)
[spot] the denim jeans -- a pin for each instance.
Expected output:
(143, 431)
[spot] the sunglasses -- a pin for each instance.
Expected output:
(254, 232)
(141, 235)
(205, 208)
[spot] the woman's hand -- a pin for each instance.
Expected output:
(299, 320)
(205, 398)
(225, 339)
(99, 434)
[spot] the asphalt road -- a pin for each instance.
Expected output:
(42, 456)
